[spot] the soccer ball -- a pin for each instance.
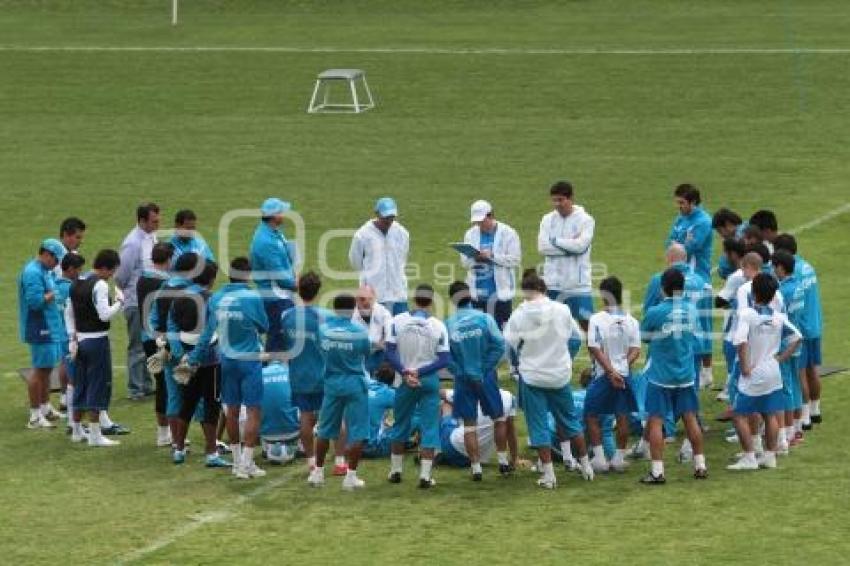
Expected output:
(279, 454)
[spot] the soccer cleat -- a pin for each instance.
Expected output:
(427, 483)
(743, 464)
(352, 483)
(700, 474)
(723, 397)
(570, 464)
(255, 471)
(102, 441)
(767, 462)
(816, 419)
(638, 453)
(600, 466)
(477, 476)
(178, 456)
(317, 477)
(163, 441)
(652, 479)
(115, 430)
(222, 447)
(53, 415)
(216, 461)
(586, 472)
(78, 438)
(807, 426)
(40, 422)
(340, 469)
(620, 466)
(394, 477)
(506, 469)
(685, 456)
(547, 483)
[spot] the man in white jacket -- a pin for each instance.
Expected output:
(539, 330)
(565, 240)
(492, 273)
(379, 252)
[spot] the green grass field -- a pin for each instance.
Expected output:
(748, 114)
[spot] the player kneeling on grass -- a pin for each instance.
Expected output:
(670, 328)
(345, 345)
(417, 348)
(88, 329)
(613, 340)
(477, 347)
(237, 315)
(454, 435)
(539, 330)
(758, 335)
(280, 428)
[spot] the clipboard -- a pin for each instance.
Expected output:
(465, 249)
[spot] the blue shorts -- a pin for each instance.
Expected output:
(308, 402)
(732, 385)
(274, 311)
(791, 392)
(426, 398)
(468, 395)
(241, 382)
(761, 404)
(810, 353)
(604, 399)
(664, 401)
(448, 453)
(538, 403)
(173, 393)
(581, 306)
(353, 407)
(730, 354)
(93, 379)
(45, 355)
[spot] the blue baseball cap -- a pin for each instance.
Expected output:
(274, 206)
(55, 247)
(385, 207)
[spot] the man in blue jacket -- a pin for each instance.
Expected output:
(273, 263)
(345, 345)
(692, 229)
(476, 346)
(41, 327)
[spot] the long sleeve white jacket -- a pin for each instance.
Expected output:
(565, 244)
(507, 257)
(381, 260)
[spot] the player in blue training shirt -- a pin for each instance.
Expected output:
(692, 229)
(794, 298)
(729, 226)
(670, 328)
(811, 327)
(300, 326)
(417, 348)
(279, 428)
(477, 347)
(345, 345)
(381, 401)
(186, 238)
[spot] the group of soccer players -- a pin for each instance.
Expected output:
(260, 359)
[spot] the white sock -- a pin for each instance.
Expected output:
(311, 462)
(163, 431)
(236, 452)
(76, 428)
(63, 397)
(584, 461)
(806, 417)
(425, 469)
(769, 454)
(549, 472)
(699, 461)
(339, 460)
(598, 453)
(566, 452)
(814, 407)
(94, 431)
(750, 456)
(45, 409)
(247, 456)
(351, 474)
(104, 419)
(657, 468)
(798, 425)
(503, 458)
(476, 467)
(35, 413)
(396, 463)
(789, 433)
(619, 456)
(758, 445)
(643, 445)
(686, 446)
(69, 400)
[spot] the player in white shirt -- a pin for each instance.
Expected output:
(613, 339)
(758, 335)
(539, 330)
(564, 240)
(379, 252)
(417, 348)
(453, 450)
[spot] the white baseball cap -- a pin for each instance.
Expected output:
(480, 209)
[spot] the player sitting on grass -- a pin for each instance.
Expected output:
(758, 334)
(613, 339)
(88, 326)
(539, 331)
(345, 345)
(417, 348)
(477, 348)
(381, 401)
(670, 328)
(454, 434)
(279, 429)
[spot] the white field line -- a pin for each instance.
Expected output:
(215, 516)
(435, 50)
(822, 219)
